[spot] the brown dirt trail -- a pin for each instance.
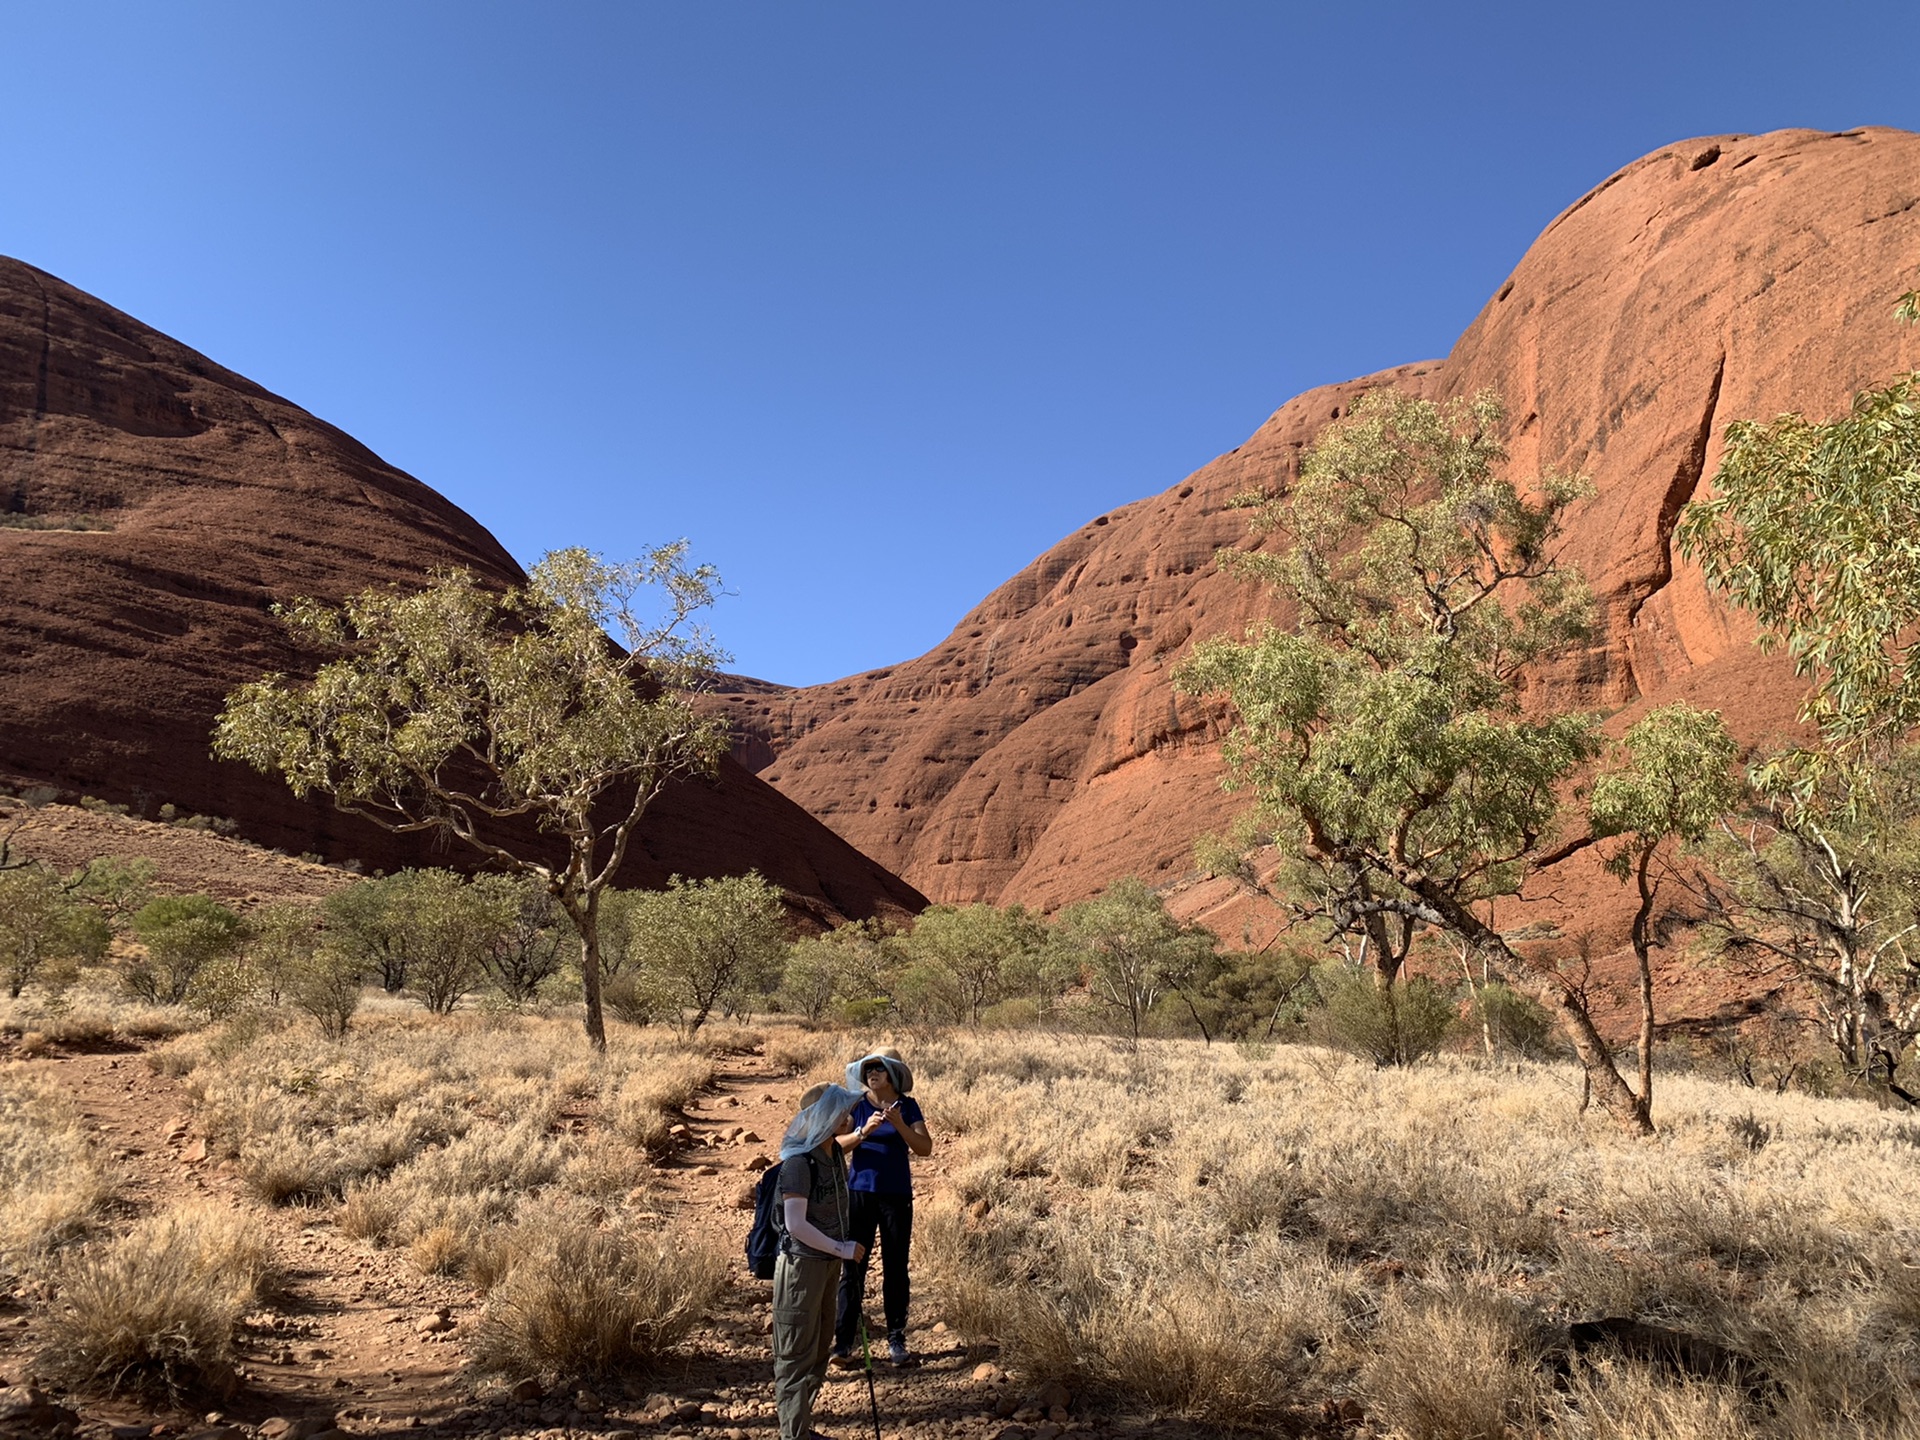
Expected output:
(344, 1339)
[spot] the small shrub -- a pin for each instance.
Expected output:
(580, 1301)
(155, 1310)
(1395, 1027)
(1749, 1131)
(1517, 1022)
(326, 984)
(193, 945)
(628, 999)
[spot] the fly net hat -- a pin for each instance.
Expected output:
(897, 1070)
(816, 1122)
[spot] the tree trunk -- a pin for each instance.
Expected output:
(1603, 1078)
(1643, 956)
(1205, 1034)
(586, 920)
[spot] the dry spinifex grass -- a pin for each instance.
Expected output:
(442, 1134)
(1231, 1239)
(155, 1310)
(574, 1298)
(55, 1183)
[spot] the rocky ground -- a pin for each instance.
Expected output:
(359, 1343)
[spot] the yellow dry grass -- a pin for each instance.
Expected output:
(576, 1298)
(55, 1183)
(90, 1012)
(1233, 1239)
(155, 1310)
(437, 1133)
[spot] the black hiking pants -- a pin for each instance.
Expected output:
(892, 1217)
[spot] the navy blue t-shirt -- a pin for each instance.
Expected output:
(878, 1164)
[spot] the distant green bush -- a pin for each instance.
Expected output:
(1515, 1021)
(1394, 1026)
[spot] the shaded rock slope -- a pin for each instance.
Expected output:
(153, 505)
(1040, 751)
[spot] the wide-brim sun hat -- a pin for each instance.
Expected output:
(817, 1123)
(897, 1070)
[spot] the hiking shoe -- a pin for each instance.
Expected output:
(843, 1359)
(897, 1349)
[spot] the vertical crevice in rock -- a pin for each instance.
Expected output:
(1687, 476)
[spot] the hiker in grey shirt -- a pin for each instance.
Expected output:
(814, 1211)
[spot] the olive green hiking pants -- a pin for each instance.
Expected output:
(804, 1294)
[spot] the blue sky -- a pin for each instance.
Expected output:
(871, 302)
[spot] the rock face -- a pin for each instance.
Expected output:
(1041, 751)
(153, 506)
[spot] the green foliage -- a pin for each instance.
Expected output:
(427, 931)
(370, 922)
(282, 938)
(809, 985)
(454, 709)
(115, 886)
(193, 947)
(958, 960)
(852, 966)
(1814, 528)
(528, 951)
(1255, 993)
(1822, 875)
(1382, 731)
(1130, 952)
(1387, 1024)
(1671, 776)
(456, 925)
(619, 935)
(326, 984)
(41, 923)
(703, 944)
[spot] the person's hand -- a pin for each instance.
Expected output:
(859, 1252)
(872, 1123)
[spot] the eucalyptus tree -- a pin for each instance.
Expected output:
(962, 959)
(1813, 528)
(42, 923)
(704, 944)
(1381, 728)
(1132, 953)
(463, 712)
(1819, 872)
(1671, 782)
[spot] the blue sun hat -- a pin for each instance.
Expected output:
(815, 1123)
(897, 1070)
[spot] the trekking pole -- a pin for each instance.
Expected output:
(873, 1396)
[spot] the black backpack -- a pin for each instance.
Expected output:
(769, 1233)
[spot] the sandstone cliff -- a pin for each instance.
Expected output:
(1040, 751)
(153, 506)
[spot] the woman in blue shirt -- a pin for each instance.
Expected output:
(888, 1128)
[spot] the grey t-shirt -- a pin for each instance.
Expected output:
(823, 1180)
